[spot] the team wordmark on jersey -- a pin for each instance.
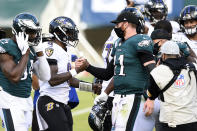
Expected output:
(49, 51)
(144, 43)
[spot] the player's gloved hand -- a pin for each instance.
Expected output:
(101, 98)
(22, 42)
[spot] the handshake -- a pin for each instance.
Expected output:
(81, 64)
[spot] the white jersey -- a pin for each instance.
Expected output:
(60, 92)
(107, 55)
(150, 28)
(183, 38)
(175, 27)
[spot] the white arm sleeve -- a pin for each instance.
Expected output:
(42, 69)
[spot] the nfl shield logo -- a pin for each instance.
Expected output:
(49, 51)
(180, 81)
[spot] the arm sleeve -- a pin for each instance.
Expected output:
(153, 89)
(146, 56)
(101, 73)
(42, 69)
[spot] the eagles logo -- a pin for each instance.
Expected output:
(144, 43)
(49, 51)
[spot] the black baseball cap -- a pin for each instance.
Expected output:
(126, 16)
(160, 34)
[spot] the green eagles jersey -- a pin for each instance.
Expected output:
(130, 76)
(23, 87)
(184, 49)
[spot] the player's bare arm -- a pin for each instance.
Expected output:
(57, 79)
(35, 83)
(96, 87)
(11, 70)
(192, 57)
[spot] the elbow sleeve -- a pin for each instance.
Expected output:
(153, 89)
(102, 73)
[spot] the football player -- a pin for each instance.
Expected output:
(19, 56)
(52, 105)
(131, 53)
(188, 24)
(156, 10)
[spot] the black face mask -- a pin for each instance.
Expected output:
(119, 32)
(156, 48)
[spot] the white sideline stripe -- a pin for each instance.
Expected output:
(82, 111)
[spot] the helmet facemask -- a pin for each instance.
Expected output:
(34, 36)
(189, 14)
(68, 36)
(29, 28)
(156, 11)
(190, 30)
(157, 15)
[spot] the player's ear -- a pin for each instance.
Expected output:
(125, 25)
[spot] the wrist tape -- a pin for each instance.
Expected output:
(73, 72)
(84, 86)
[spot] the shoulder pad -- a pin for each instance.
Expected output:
(3, 45)
(2, 50)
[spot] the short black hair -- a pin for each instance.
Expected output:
(165, 25)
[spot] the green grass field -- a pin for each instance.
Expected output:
(81, 112)
(80, 118)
